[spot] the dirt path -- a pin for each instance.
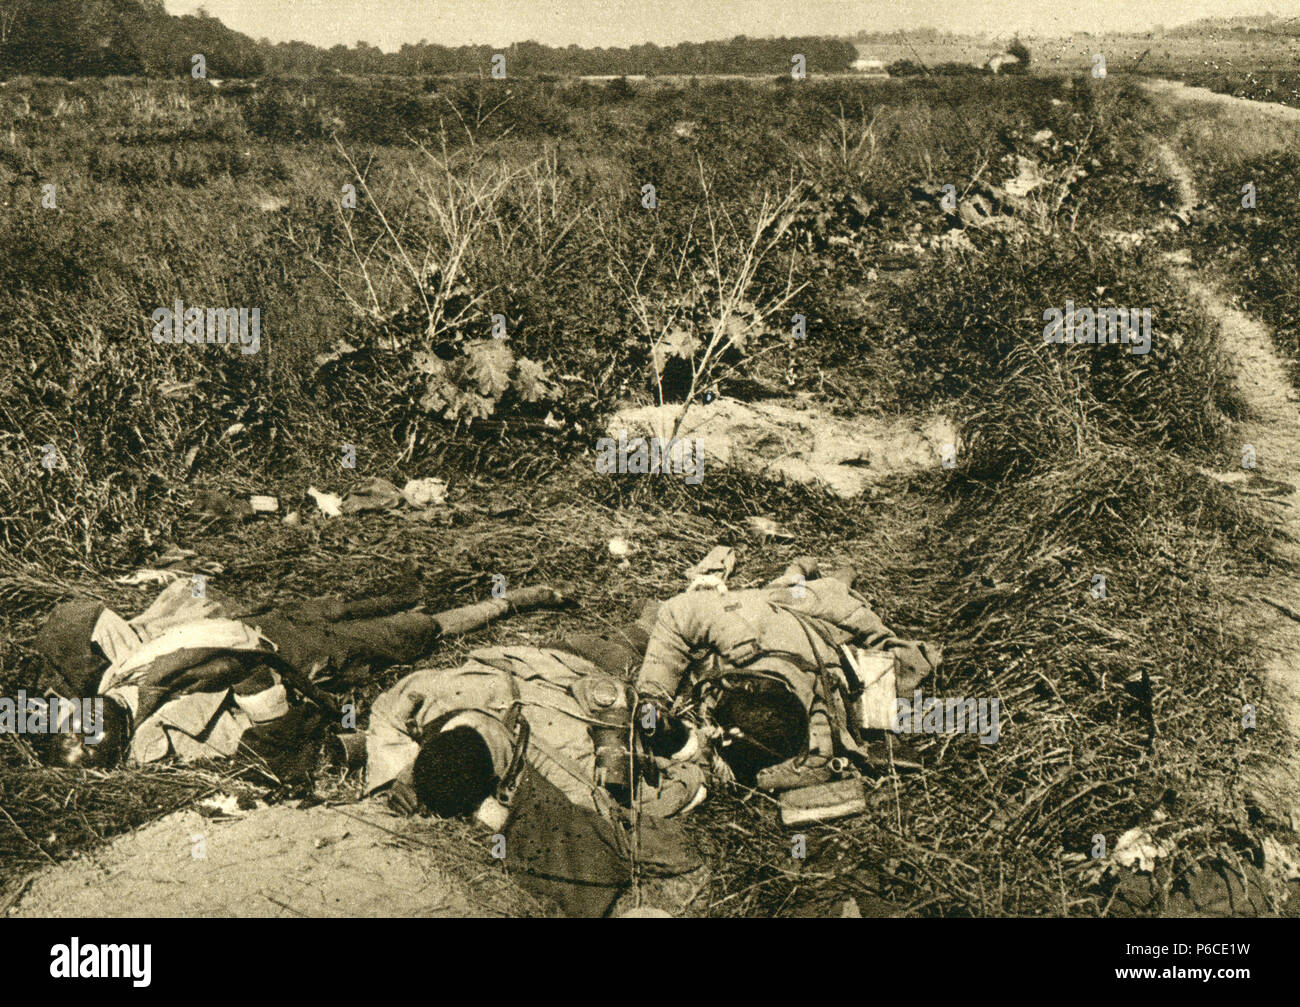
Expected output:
(1176, 91)
(1271, 438)
(1273, 432)
(795, 439)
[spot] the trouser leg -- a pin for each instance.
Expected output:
(354, 646)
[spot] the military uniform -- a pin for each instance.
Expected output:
(196, 682)
(566, 839)
(558, 693)
(788, 632)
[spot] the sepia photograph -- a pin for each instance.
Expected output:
(646, 458)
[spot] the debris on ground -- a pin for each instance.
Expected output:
(225, 806)
(714, 569)
(171, 565)
(148, 575)
(330, 505)
(954, 240)
(620, 548)
(425, 492)
(214, 503)
(174, 555)
(767, 528)
(1138, 849)
(373, 494)
(823, 802)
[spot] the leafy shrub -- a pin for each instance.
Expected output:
(470, 386)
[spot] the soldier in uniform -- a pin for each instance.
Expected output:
(450, 739)
(764, 667)
(537, 742)
(193, 677)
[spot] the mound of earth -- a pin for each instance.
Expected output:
(277, 861)
(792, 439)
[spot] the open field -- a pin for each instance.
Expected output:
(527, 200)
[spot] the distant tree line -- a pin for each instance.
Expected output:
(79, 38)
(138, 37)
(902, 36)
(739, 55)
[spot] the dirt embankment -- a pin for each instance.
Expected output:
(277, 861)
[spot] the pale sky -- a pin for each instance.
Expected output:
(389, 23)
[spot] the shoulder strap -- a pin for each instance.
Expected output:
(849, 736)
(810, 625)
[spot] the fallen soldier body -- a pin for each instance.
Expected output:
(186, 680)
(764, 668)
(536, 742)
